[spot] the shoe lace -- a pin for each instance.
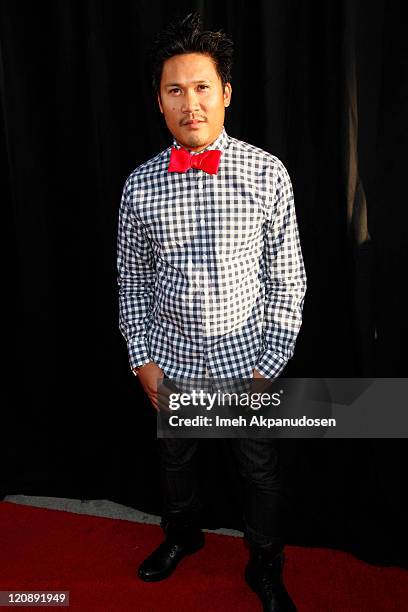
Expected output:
(173, 551)
(270, 578)
(269, 584)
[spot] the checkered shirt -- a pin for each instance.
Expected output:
(210, 270)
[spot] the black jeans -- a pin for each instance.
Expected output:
(265, 505)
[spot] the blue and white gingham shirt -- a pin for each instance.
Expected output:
(210, 270)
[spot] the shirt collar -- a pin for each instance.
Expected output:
(220, 143)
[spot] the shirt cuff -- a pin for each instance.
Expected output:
(138, 354)
(270, 364)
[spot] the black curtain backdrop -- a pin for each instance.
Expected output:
(322, 85)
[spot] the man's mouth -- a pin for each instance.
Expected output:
(193, 122)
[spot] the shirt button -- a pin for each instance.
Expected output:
(204, 257)
(199, 185)
(202, 221)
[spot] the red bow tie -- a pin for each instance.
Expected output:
(181, 161)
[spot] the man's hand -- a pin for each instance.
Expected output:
(260, 387)
(148, 376)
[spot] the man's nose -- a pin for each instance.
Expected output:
(190, 102)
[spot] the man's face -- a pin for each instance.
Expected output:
(193, 100)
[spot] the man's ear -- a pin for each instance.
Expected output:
(227, 94)
(159, 101)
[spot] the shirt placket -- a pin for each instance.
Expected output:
(202, 261)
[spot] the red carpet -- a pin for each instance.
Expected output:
(96, 559)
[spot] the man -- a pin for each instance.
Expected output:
(211, 284)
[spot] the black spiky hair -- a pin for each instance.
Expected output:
(187, 36)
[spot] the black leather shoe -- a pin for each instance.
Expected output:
(264, 576)
(163, 561)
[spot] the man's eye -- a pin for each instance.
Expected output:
(204, 86)
(174, 90)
